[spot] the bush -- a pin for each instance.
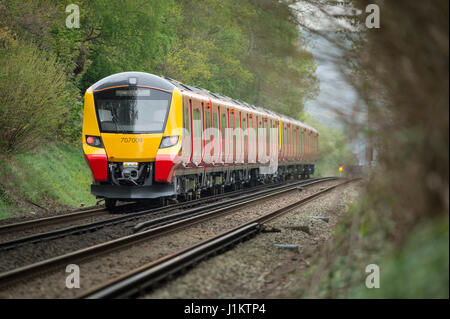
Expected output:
(34, 95)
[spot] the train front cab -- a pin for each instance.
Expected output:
(131, 136)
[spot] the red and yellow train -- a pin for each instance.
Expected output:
(147, 137)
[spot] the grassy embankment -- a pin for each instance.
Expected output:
(51, 176)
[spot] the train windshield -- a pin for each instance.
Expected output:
(132, 110)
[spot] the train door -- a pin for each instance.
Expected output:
(281, 140)
(295, 143)
(286, 150)
(252, 147)
(245, 132)
(231, 138)
(215, 134)
(206, 155)
(311, 150)
(305, 137)
(187, 144)
(274, 140)
(250, 156)
(234, 135)
(308, 146)
(285, 142)
(289, 142)
(266, 138)
(286, 145)
(313, 141)
(223, 123)
(240, 118)
(250, 144)
(197, 127)
(302, 138)
(317, 146)
(260, 141)
(268, 125)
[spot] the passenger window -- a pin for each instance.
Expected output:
(197, 123)
(187, 122)
(232, 121)
(215, 121)
(223, 124)
(207, 118)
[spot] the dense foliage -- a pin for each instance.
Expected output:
(250, 50)
(402, 223)
(43, 102)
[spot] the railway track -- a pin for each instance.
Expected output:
(165, 210)
(124, 209)
(150, 230)
(136, 282)
(93, 211)
(129, 213)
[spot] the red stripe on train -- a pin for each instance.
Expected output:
(164, 167)
(98, 164)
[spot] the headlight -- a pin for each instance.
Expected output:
(168, 141)
(95, 141)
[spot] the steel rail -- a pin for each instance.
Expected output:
(96, 225)
(127, 285)
(93, 226)
(135, 282)
(7, 228)
(95, 210)
(158, 231)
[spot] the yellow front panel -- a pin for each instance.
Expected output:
(131, 147)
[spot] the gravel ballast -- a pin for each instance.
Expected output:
(260, 268)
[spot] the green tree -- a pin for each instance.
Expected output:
(34, 96)
(250, 50)
(127, 36)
